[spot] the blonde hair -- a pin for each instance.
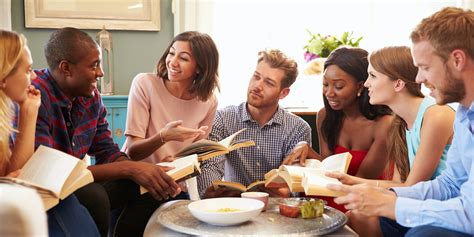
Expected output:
(11, 49)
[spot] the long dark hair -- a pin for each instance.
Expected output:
(354, 62)
(397, 63)
(207, 58)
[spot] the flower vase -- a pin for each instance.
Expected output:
(315, 66)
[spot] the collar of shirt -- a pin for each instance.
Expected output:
(61, 98)
(466, 113)
(59, 95)
(277, 117)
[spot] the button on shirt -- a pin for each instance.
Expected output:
(274, 141)
(77, 127)
(448, 200)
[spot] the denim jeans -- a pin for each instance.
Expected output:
(69, 218)
(391, 228)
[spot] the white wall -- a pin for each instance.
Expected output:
(241, 28)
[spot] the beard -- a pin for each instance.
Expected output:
(453, 90)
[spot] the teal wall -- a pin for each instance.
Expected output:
(133, 51)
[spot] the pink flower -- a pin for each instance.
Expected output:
(310, 56)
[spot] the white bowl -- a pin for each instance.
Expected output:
(207, 210)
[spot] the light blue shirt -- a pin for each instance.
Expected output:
(413, 137)
(448, 200)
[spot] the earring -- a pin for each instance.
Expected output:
(358, 94)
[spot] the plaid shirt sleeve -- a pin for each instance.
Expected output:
(103, 147)
(43, 136)
(300, 133)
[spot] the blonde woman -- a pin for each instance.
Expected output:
(15, 77)
(15, 88)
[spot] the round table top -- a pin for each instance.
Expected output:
(180, 222)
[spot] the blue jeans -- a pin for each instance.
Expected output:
(70, 218)
(391, 228)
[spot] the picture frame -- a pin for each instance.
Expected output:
(140, 15)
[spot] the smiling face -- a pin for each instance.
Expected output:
(381, 88)
(84, 74)
(180, 62)
(265, 86)
(340, 88)
(18, 80)
(436, 75)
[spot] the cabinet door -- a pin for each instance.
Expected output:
(110, 119)
(119, 118)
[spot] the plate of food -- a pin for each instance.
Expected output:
(225, 211)
(307, 208)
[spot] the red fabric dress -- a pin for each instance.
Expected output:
(357, 158)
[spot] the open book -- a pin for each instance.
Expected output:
(54, 174)
(184, 168)
(238, 186)
(310, 178)
(206, 149)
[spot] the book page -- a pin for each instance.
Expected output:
(226, 142)
(48, 168)
(76, 181)
(186, 167)
(228, 184)
(181, 163)
(336, 162)
(315, 183)
(255, 186)
(312, 163)
(318, 177)
(199, 147)
(294, 171)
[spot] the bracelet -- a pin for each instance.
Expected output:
(161, 138)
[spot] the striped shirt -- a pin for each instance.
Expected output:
(274, 141)
(77, 127)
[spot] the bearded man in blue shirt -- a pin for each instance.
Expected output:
(443, 50)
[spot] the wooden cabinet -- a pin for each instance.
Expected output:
(116, 116)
